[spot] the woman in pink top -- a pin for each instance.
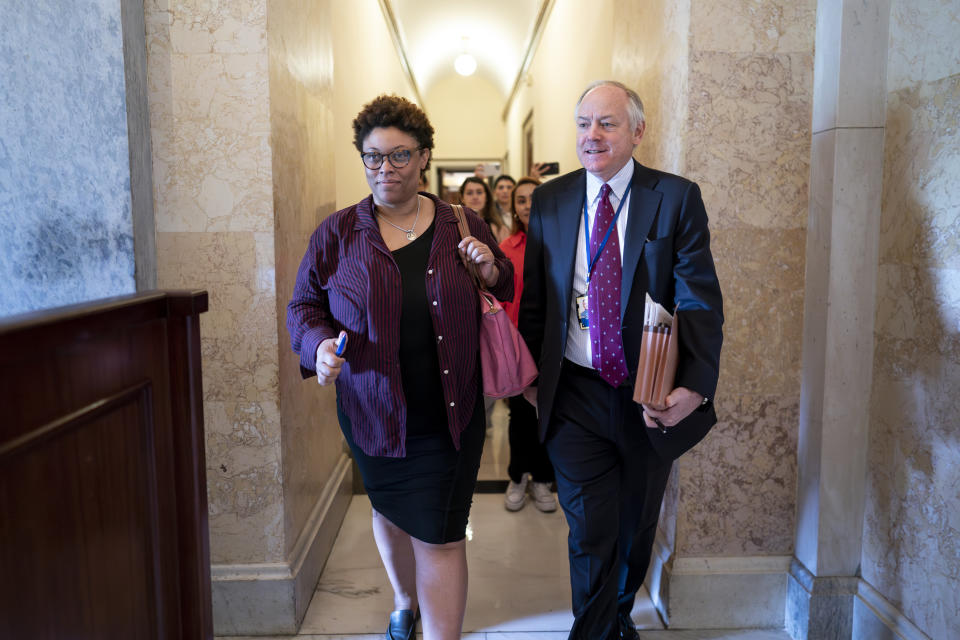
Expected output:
(529, 464)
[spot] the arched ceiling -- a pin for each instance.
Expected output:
(498, 33)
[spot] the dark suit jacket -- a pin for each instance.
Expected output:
(666, 254)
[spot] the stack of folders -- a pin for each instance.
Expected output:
(657, 369)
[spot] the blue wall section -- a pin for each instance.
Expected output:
(66, 231)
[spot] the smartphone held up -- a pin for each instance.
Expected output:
(549, 168)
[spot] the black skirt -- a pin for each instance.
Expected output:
(428, 493)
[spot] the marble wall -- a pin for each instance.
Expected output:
(210, 123)
(657, 68)
(302, 119)
(728, 89)
(65, 208)
(748, 146)
(911, 541)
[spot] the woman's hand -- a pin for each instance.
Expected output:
(328, 363)
(480, 254)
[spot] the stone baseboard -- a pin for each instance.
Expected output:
(718, 593)
(272, 598)
(874, 618)
(819, 607)
(842, 608)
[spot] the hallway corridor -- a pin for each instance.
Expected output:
(175, 159)
(519, 585)
(519, 588)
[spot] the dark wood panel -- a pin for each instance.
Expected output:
(103, 523)
(190, 472)
(97, 468)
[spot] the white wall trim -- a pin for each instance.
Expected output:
(321, 511)
(253, 571)
(887, 614)
(708, 565)
(272, 597)
(705, 592)
(655, 580)
(726, 592)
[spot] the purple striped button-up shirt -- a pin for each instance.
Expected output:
(348, 280)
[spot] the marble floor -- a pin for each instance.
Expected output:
(354, 597)
(519, 586)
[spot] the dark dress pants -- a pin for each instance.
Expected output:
(610, 483)
(527, 453)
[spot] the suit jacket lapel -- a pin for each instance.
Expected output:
(644, 204)
(569, 213)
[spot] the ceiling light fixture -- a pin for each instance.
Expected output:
(465, 64)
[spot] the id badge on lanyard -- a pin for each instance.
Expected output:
(582, 311)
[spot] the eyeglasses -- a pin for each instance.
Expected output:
(399, 159)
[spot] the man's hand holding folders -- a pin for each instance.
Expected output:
(663, 405)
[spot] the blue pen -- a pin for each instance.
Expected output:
(341, 343)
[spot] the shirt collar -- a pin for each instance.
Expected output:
(618, 183)
(514, 241)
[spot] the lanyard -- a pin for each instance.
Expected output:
(613, 224)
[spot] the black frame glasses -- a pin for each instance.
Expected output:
(399, 158)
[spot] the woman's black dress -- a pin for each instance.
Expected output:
(428, 493)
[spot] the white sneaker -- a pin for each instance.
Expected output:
(543, 498)
(516, 495)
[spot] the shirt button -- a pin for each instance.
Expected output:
(453, 404)
(434, 303)
(429, 272)
(439, 338)
(446, 372)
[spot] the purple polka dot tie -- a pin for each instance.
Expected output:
(603, 297)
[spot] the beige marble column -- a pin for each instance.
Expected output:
(728, 91)
(240, 109)
(839, 303)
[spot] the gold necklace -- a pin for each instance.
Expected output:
(411, 234)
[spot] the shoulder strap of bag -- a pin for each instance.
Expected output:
(461, 220)
(464, 232)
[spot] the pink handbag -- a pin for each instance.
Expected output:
(505, 362)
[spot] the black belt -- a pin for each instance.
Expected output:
(593, 374)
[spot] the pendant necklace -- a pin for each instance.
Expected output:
(411, 234)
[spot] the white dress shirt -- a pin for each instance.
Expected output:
(578, 340)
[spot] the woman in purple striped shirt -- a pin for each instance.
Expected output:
(389, 273)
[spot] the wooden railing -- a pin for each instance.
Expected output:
(103, 504)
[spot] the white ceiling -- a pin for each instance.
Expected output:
(498, 34)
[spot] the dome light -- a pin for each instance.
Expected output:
(465, 64)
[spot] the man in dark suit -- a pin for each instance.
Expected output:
(599, 240)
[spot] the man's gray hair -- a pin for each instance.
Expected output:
(634, 103)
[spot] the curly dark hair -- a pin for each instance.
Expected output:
(393, 111)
